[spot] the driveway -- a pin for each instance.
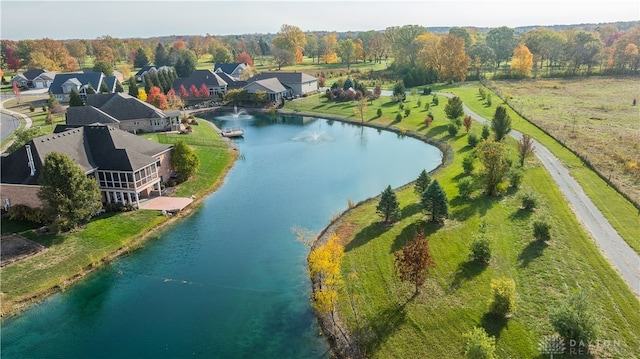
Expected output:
(8, 124)
(621, 256)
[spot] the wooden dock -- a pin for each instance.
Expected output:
(232, 132)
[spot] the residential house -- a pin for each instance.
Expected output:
(150, 69)
(275, 89)
(34, 78)
(214, 83)
(234, 70)
(299, 82)
(64, 83)
(127, 167)
(120, 110)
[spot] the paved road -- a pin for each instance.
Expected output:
(621, 256)
(8, 124)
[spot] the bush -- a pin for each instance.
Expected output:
(467, 164)
(479, 345)
(503, 297)
(426, 91)
(541, 229)
(529, 201)
(399, 117)
(379, 112)
(20, 212)
(427, 106)
(428, 120)
(486, 132)
(435, 101)
(31, 108)
(453, 129)
(574, 320)
(407, 112)
(480, 249)
(465, 187)
(515, 178)
(489, 100)
(472, 139)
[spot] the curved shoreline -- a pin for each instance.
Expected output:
(341, 343)
(139, 240)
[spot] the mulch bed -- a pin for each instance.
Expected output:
(14, 248)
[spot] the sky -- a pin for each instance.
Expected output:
(88, 19)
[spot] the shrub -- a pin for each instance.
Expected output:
(435, 101)
(541, 229)
(467, 164)
(401, 106)
(379, 112)
(515, 178)
(486, 132)
(574, 319)
(428, 120)
(480, 249)
(31, 108)
(453, 129)
(472, 139)
(529, 201)
(479, 345)
(399, 117)
(482, 92)
(426, 91)
(407, 112)
(20, 212)
(489, 100)
(427, 106)
(503, 296)
(419, 104)
(465, 187)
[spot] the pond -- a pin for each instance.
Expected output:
(229, 281)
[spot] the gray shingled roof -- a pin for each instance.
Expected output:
(87, 115)
(93, 78)
(123, 106)
(270, 85)
(198, 78)
(286, 77)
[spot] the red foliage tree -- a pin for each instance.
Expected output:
(157, 98)
(13, 61)
(183, 92)
(204, 90)
(179, 45)
(467, 123)
(413, 261)
(193, 90)
(244, 57)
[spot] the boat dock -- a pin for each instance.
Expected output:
(232, 132)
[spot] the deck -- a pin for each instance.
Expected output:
(232, 132)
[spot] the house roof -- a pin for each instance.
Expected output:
(144, 69)
(228, 68)
(198, 78)
(231, 82)
(271, 85)
(92, 147)
(111, 82)
(93, 78)
(286, 77)
(117, 106)
(33, 73)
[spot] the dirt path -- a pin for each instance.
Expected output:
(614, 248)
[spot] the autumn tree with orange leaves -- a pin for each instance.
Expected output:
(414, 260)
(288, 45)
(157, 98)
(451, 61)
(522, 60)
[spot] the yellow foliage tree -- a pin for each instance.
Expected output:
(324, 262)
(451, 60)
(522, 60)
(329, 44)
(142, 95)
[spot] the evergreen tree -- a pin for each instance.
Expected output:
(104, 67)
(434, 201)
(501, 123)
(90, 90)
(133, 87)
(148, 84)
(68, 195)
(74, 99)
(155, 79)
(422, 182)
(161, 56)
(454, 109)
(119, 87)
(141, 58)
(104, 88)
(165, 84)
(388, 208)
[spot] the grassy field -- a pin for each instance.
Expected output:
(378, 308)
(69, 256)
(593, 116)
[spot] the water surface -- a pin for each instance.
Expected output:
(230, 280)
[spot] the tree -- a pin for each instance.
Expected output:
(361, 108)
(413, 261)
(493, 156)
(541, 229)
(161, 57)
(74, 99)
(467, 123)
(434, 202)
(289, 43)
(184, 160)
(346, 51)
(141, 58)
(324, 263)
(104, 67)
(502, 41)
(501, 123)
(133, 87)
(68, 195)
(525, 148)
(422, 182)
(174, 101)
(157, 98)
(142, 95)
(503, 297)
(453, 108)
(451, 61)
(388, 208)
(119, 87)
(399, 92)
(104, 88)
(185, 63)
(90, 90)
(479, 345)
(480, 249)
(575, 320)
(522, 60)
(148, 83)
(23, 136)
(243, 57)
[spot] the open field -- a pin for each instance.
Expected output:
(376, 306)
(594, 116)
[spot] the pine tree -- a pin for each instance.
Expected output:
(434, 201)
(119, 87)
(388, 208)
(453, 108)
(104, 88)
(141, 58)
(161, 56)
(501, 123)
(74, 99)
(90, 90)
(148, 84)
(133, 87)
(422, 182)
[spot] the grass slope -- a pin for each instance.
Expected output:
(379, 310)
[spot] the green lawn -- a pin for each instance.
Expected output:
(68, 255)
(379, 309)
